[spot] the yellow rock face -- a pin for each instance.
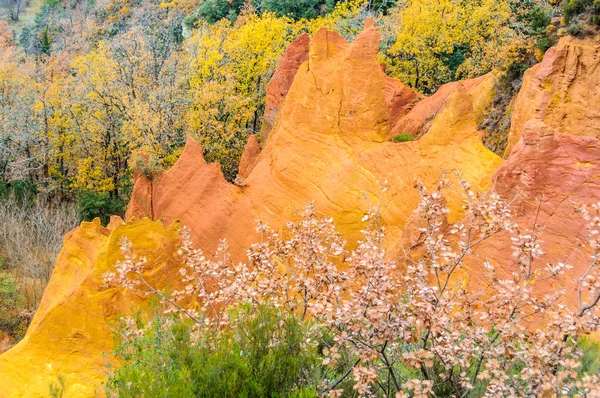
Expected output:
(330, 144)
(562, 93)
(71, 329)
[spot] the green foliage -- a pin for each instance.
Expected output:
(45, 42)
(215, 10)
(91, 205)
(23, 191)
(381, 6)
(543, 43)
(296, 9)
(513, 72)
(590, 363)
(10, 305)
(57, 389)
(575, 9)
(264, 354)
(402, 137)
(539, 18)
(575, 28)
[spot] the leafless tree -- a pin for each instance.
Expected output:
(13, 8)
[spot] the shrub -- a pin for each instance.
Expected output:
(91, 205)
(215, 10)
(148, 165)
(11, 303)
(264, 353)
(539, 18)
(590, 362)
(31, 235)
(575, 28)
(543, 43)
(403, 137)
(574, 9)
(296, 9)
(382, 6)
(23, 191)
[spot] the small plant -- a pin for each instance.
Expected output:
(57, 389)
(91, 205)
(575, 10)
(149, 166)
(11, 303)
(403, 138)
(575, 28)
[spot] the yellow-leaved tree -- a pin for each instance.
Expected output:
(231, 65)
(437, 41)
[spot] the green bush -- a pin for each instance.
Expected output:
(543, 43)
(264, 354)
(382, 6)
(573, 9)
(91, 205)
(23, 191)
(10, 305)
(403, 137)
(296, 9)
(575, 28)
(539, 18)
(215, 10)
(590, 362)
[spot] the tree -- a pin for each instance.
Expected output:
(231, 65)
(13, 8)
(435, 42)
(297, 9)
(215, 10)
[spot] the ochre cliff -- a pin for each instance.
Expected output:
(72, 327)
(295, 55)
(562, 92)
(336, 113)
(554, 173)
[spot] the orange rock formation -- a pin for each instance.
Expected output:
(330, 144)
(562, 92)
(295, 55)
